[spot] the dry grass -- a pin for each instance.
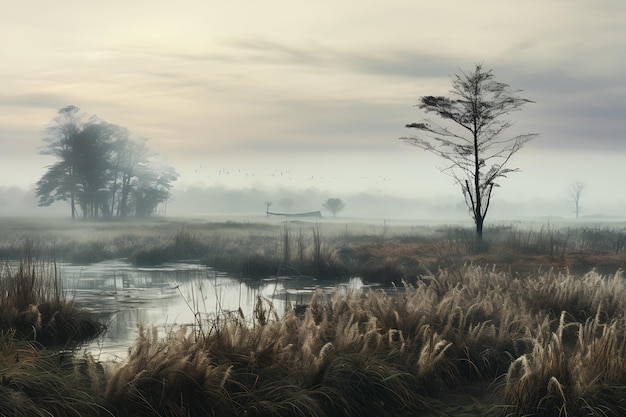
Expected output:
(586, 377)
(528, 337)
(340, 362)
(544, 345)
(34, 306)
(263, 246)
(400, 353)
(37, 382)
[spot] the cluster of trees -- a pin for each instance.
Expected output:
(102, 170)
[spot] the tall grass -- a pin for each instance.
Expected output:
(401, 352)
(39, 329)
(453, 337)
(325, 249)
(35, 306)
(586, 376)
(36, 382)
(464, 341)
(301, 366)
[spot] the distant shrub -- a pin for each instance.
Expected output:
(386, 272)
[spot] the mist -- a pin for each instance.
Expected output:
(197, 201)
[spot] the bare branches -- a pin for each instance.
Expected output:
(575, 191)
(478, 156)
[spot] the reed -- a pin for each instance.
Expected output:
(341, 250)
(558, 378)
(399, 352)
(35, 382)
(453, 336)
(370, 353)
(169, 377)
(35, 306)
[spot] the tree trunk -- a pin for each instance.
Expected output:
(478, 208)
(123, 204)
(72, 205)
(480, 242)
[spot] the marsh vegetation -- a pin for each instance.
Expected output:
(527, 328)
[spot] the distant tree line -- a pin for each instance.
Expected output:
(102, 170)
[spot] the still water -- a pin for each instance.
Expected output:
(124, 297)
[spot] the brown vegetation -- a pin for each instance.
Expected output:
(37, 382)
(545, 345)
(377, 253)
(34, 307)
(39, 328)
(468, 341)
(459, 334)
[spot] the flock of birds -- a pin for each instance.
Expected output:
(238, 176)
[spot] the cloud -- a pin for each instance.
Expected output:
(314, 82)
(402, 62)
(286, 57)
(573, 109)
(37, 99)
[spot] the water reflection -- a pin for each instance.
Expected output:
(124, 297)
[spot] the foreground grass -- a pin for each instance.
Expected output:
(530, 336)
(39, 328)
(38, 382)
(548, 345)
(467, 341)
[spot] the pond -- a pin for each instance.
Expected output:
(123, 297)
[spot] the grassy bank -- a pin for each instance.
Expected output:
(468, 341)
(462, 342)
(35, 307)
(40, 327)
(35, 381)
(516, 331)
(382, 253)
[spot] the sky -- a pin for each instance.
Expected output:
(288, 95)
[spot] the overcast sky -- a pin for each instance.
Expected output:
(316, 94)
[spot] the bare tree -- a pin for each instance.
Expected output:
(575, 192)
(334, 205)
(476, 154)
(268, 204)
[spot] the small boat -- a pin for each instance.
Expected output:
(317, 214)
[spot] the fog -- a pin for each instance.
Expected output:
(320, 95)
(235, 203)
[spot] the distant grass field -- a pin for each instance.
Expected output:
(380, 251)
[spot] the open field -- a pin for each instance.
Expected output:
(528, 328)
(378, 250)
